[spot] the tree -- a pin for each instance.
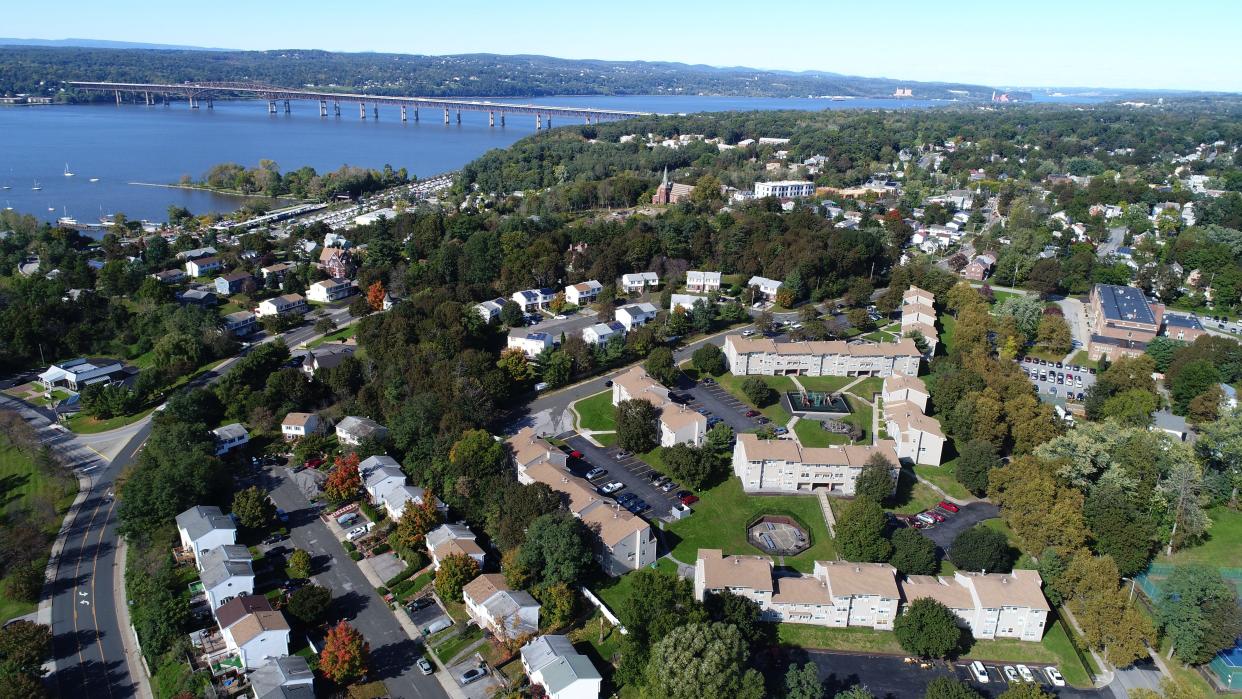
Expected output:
(928, 629)
(416, 520)
(1053, 334)
(1205, 407)
(981, 548)
(1193, 379)
(1121, 525)
(343, 480)
(515, 365)
(860, 532)
(660, 366)
(254, 509)
(975, 460)
(375, 294)
(743, 613)
(24, 647)
(557, 603)
(1199, 613)
(949, 688)
(1025, 690)
(802, 682)
(325, 325)
(858, 691)
(913, 553)
(700, 660)
(708, 359)
(511, 314)
(1040, 512)
(358, 308)
(25, 582)
(757, 391)
(308, 604)
(1110, 621)
(345, 655)
(557, 549)
(455, 571)
(558, 367)
(300, 564)
(694, 467)
(875, 480)
(636, 425)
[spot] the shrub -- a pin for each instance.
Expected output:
(355, 556)
(382, 590)
(401, 577)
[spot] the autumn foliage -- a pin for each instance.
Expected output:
(417, 520)
(343, 480)
(345, 654)
(375, 295)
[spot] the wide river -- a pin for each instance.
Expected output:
(124, 145)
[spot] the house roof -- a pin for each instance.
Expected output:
(803, 589)
(223, 571)
(252, 625)
(286, 677)
(448, 532)
(916, 292)
(231, 431)
(748, 572)
(239, 316)
(360, 427)
(639, 385)
(675, 417)
(1124, 303)
(327, 254)
(901, 382)
(457, 547)
(379, 468)
(546, 649)
(483, 587)
(762, 282)
(198, 521)
(943, 590)
(612, 523)
(904, 347)
(205, 261)
(235, 277)
(227, 552)
(1177, 321)
(297, 419)
(756, 449)
(854, 579)
(1021, 588)
(232, 611)
(634, 309)
(563, 672)
(908, 416)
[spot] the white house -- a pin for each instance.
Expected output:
(227, 572)
(702, 282)
(288, 677)
(494, 606)
(991, 605)
(490, 310)
(230, 437)
(395, 500)
(329, 290)
(635, 315)
(202, 266)
(531, 343)
(79, 373)
(533, 299)
(767, 287)
(378, 474)
(450, 540)
(239, 323)
(785, 189)
(353, 430)
(685, 301)
(910, 389)
(258, 638)
(298, 425)
(919, 437)
(679, 424)
(552, 663)
(203, 528)
(583, 293)
(281, 305)
(638, 282)
(603, 332)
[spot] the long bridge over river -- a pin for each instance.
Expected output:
(203, 94)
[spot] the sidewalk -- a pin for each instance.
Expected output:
(129, 637)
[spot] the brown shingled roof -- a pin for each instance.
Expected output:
(749, 572)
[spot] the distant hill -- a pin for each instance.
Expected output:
(43, 69)
(98, 44)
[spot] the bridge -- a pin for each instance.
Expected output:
(199, 93)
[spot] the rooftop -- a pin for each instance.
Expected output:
(1124, 303)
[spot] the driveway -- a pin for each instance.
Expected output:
(968, 516)
(632, 471)
(393, 653)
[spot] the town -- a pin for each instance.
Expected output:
(903, 403)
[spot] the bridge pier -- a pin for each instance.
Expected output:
(491, 118)
(362, 110)
(458, 116)
(588, 120)
(193, 102)
(375, 111)
(336, 107)
(502, 120)
(271, 106)
(549, 121)
(323, 108)
(118, 97)
(538, 122)
(147, 96)
(416, 115)
(210, 104)
(403, 119)
(287, 109)
(446, 116)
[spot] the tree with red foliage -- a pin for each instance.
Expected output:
(345, 654)
(375, 295)
(417, 520)
(344, 480)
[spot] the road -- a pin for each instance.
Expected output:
(393, 653)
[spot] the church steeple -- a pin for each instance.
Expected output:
(665, 180)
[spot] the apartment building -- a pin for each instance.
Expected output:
(677, 423)
(785, 466)
(761, 355)
(702, 282)
(1122, 321)
(918, 313)
(785, 189)
(991, 605)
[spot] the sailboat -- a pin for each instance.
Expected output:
(66, 219)
(36, 186)
(7, 206)
(94, 179)
(67, 173)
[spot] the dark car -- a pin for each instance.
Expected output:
(608, 383)
(473, 675)
(420, 603)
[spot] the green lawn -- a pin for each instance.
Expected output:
(448, 649)
(1080, 359)
(596, 412)
(337, 336)
(811, 434)
(774, 412)
(607, 438)
(720, 518)
(1223, 546)
(616, 590)
(948, 326)
(861, 416)
(1070, 662)
(913, 496)
(82, 423)
(826, 384)
(944, 478)
(868, 387)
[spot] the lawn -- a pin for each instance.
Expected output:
(720, 518)
(1222, 548)
(1071, 664)
(606, 439)
(868, 387)
(948, 326)
(616, 590)
(449, 648)
(336, 336)
(861, 416)
(944, 477)
(596, 412)
(826, 384)
(1080, 359)
(774, 412)
(811, 434)
(913, 496)
(81, 423)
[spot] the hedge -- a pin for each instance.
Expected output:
(400, 577)
(355, 555)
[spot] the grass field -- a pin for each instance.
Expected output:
(777, 414)
(913, 496)
(617, 590)
(596, 412)
(828, 384)
(82, 423)
(948, 326)
(944, 478)
(337, 336)
(861, 416)
(1223, 547)
(811, 434)
(720, 518)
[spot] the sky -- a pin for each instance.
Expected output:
(1145, 44)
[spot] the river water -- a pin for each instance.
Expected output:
(124, 145)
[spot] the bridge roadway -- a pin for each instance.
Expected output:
(196, 93)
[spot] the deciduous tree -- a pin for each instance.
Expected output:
(1199, 613)
(913, 553)
(981, 548)
(660, 366)
(24, 647)
(417, 520)
(701, 660)
(802, 682)
(557, 549)
(708, 359)
(875, 481)
(975, 460)
(455, 571)
(636, 425)
(860, 532)
(300, 564)
(949, 688)
(254, 509)
(757, 391)
(343, 480)
(345, 655)
(928, 629)
(309, 604)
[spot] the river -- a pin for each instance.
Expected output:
(123, 145)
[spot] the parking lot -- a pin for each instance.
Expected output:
(1047, 375)
(719, 403)
(891, 676)
(632, 472)
(967, 516)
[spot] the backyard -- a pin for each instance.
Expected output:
(1220, 548)
(595, 413)
(945, 478)
(720, 518)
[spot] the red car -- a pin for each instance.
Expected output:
(935, 515)
(948, 506)
(689, 500)
(576, 454)
(752, 413)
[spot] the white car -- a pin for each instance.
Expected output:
(979, 672)
(1054, 676)
(559, 316)
(357, 533)
(611, 488)
(1027, 675)
(1011, 674)
(747, 333)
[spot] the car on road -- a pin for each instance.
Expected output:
(747, 332)
(608, 383)
(473, 675)
(1054, 676)
(979, 672)
(946, 505)
(1011, 674)
(1027, 675)
(610, 488)
(559, 316)
(425, 667)
(596, 473)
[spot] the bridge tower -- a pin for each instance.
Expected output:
(210, 104)
(538, 121)
(362, 110)
(502, 120)
(271, 106)
(336, 107)
(549, 121)
(491, 118)
(446, 116)
(323, 108)
(403, 119)
(118, 97)
(458, 116)
(147, 97)
(416, 114)
(287, 109)
(375, 111)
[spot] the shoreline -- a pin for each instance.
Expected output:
(221, 192)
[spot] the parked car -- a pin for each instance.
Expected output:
(781, 430)
(747, 332)
(936, 516)
(1027, 675)
(668, 487)
(625, 498)
(356, 533)
(752, 413)
(924, 518)
(1054, 676)
(1011, 674)
(437, 626)
(425, 667)
(419, 603)
(979, 672)
(473, 675)
(623, 454)
(945, 504)
(688, 499)
(314, 463)
(576, 454)
(610, 488)
(596, 473)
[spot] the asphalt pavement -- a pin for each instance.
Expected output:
(967, 516)
(632, 471)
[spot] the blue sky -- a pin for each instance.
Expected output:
(1106, 43)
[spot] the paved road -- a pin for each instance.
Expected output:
(968, 516)
(393, 653)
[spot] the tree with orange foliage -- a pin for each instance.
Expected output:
(375, 295)
(417, 520)
(345, 654)
(344, 480)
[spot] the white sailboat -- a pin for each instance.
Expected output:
(67, 173)
(66, 219)
(36, 186)
(7, 206)
(94, 179)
